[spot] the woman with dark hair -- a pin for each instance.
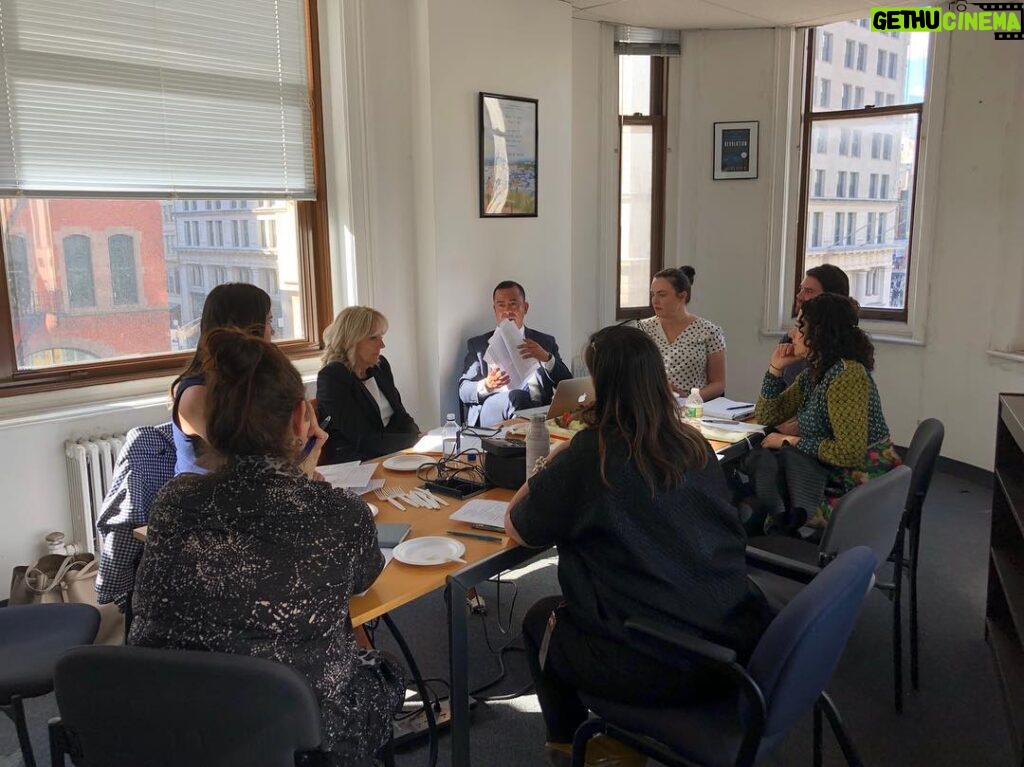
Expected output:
(257, 558)
(835, 401)
(693, 348)
(638, 507)
(231, 305)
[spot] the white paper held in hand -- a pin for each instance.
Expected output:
(480, 511)
(503, 352)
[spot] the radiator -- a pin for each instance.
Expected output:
(90, 464)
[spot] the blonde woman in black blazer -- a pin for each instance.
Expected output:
(357, 390)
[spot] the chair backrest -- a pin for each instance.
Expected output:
(869, 515)
(794, 661)
(921, 457)
(134, 705)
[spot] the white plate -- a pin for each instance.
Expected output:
(409, 462)
(429, 550)
(373, 509)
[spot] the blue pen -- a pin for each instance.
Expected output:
(311, 442)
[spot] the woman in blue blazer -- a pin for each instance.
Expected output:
(357, 390)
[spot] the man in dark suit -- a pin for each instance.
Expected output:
(485, 388)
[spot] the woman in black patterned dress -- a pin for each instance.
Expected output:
(257, 558)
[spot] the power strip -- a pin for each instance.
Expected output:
(415, 725)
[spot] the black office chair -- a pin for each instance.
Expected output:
(921, 457)
(32, 638)
(179, 708)
(785, 677)
(869, 515)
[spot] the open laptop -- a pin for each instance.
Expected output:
(570, 395)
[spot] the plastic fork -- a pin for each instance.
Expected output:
(388, 494)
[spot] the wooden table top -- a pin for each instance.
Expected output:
(399, 583)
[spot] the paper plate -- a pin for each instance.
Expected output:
(429, 550)
(373, 509)
(407, 462)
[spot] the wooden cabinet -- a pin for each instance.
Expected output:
(1004, 615)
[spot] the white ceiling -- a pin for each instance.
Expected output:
(720, 14)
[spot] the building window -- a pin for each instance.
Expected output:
(643, 98)
(819, 183)
(890, 99)
(826, 92)
(243, 274)
(78, 271)
(847, 92)
(218, 275)
(826, 46)
(138, 224)
(848, 57)
(888, 163)
(816, 221)
(124, 288)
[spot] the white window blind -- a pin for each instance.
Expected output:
(154, 98)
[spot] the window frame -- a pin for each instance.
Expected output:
(657, 119)
(808, 120)
(314, 264)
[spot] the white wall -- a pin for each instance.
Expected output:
(723, 229)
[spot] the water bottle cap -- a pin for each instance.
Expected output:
(450, 417)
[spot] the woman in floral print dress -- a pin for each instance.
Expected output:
(835, 401)
(257, 558)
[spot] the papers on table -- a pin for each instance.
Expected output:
(728, 431)
(503, 352)
(725, 408)
(369, 487)
(479, 511)
(352, 475)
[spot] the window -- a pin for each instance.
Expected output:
(890, 99)
(847, 92)
(819, 183)
(864, 238)
(243, 274)
(643, 89)
(848, 58)
(826, 89)
(19, 280)
(110, 241)
(123, 288)
(826, 46)
(78, 271)
(862, 56)
(816, 220)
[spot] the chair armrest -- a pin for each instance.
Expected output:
(666, 644)
(780, 565)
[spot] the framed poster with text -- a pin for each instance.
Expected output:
(508, 156)
(735, 150)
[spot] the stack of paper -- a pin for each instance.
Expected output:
(503, 352)
(725, 408)
(480, 511)
(351, 474)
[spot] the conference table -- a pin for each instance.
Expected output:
(399, 584)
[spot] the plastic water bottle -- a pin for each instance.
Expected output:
(694, 405)
(538, 443)
(450, 436)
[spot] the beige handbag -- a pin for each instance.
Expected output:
(57, 578)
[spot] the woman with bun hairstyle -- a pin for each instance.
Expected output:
(259, 559)
(231, 305)
(692, 348)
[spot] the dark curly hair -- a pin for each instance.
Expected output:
(829, 325)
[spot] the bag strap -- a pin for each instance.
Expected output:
(46, 585)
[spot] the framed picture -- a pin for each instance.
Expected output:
(508, 156)
(735, 150)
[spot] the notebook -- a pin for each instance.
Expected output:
(390, 534)
(723, 407)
